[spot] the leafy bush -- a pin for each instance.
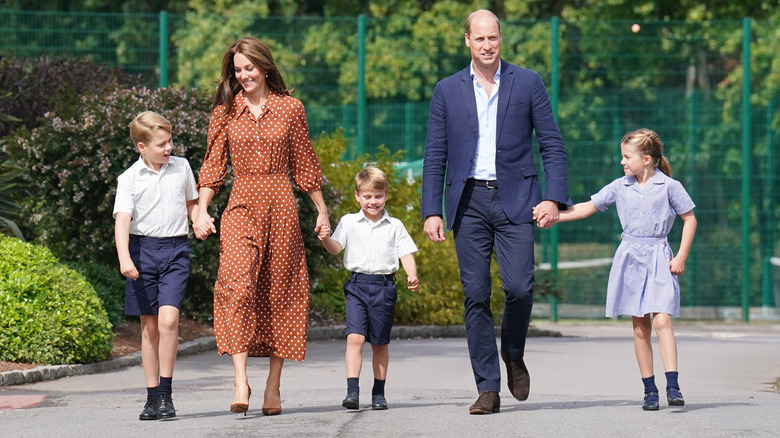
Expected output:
(74, 158)
(109, 285)
(34, 86)
(48, 312)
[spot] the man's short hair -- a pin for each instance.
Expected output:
(471, 16)
(145, 125)
(371, 178)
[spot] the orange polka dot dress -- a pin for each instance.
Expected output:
(261, 297)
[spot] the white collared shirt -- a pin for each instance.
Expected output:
(156, 201)
(373, 247)
(484, 166)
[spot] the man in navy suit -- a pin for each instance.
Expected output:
(479, 147)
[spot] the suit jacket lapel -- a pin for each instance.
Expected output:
(504, 91)
(470, 103)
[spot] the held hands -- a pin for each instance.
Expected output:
(322, 229)
(324, 232)
(203, 226)
(546, 214)
(413, 283)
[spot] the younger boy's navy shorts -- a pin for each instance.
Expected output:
(163, 266)
(370, 306)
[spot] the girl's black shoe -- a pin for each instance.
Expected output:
(651, 401)
(674, 397)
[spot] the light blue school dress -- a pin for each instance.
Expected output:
(640, 281)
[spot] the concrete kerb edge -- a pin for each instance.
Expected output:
(51, 372)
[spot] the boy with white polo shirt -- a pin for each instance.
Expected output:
(153, 199)
(373, 242)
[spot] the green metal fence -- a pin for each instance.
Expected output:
(708, 88)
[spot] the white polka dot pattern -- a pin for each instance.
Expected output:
(261, 298)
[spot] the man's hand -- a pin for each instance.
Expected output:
(434, 228)
(546, 214)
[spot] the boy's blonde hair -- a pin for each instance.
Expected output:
(371, 178)
(145, 125)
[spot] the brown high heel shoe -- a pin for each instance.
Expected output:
(276, 410)
(242, 407)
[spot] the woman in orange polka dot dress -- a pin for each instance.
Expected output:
(261, 296)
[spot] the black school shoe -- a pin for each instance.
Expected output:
(378, 402)
(651, 401)
(352, 401)
(674, 397)
(150, 409)
(165, 407)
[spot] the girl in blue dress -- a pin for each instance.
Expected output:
(643, 279)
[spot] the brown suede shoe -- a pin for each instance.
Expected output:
(488, 403)
(518, 379)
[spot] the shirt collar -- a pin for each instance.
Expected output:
(496, 77)
(385, 216)
(657, 178)
(240, 103)
(143, 167)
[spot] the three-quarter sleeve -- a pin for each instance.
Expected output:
(304, 165)
(214, 168)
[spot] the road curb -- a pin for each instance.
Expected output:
(52, 372)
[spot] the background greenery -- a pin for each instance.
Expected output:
(681, 75)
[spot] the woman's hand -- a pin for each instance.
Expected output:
(203, 226)
(322, 229)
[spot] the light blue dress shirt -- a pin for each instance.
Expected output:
(484, 164)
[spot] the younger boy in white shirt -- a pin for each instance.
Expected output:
(373, 243)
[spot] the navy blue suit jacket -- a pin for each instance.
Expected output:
(453, 132)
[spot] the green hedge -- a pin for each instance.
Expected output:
(49, 314)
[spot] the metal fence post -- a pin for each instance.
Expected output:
(554, 97)
(361, 85)
(767, 295)
(163, 47)
(746, 166)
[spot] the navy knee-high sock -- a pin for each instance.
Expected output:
(671, 380)
(649, 383)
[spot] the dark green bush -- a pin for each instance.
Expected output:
(49, 313)
(109, 285)
(34, 86)
(74, 158)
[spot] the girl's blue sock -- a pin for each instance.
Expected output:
(649, 384)
(151, 392)
(671, 380)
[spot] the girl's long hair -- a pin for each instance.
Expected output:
(260, 55)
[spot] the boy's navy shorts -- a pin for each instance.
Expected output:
(163, 266)
(370, 306)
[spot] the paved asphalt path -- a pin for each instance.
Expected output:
(584, 384)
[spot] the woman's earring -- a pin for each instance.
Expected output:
(266, 75)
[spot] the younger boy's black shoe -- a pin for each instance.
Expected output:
(378, 402)
(352, 401)
(150, 410)
(651, 401)
(674, 397)
(165, 407)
